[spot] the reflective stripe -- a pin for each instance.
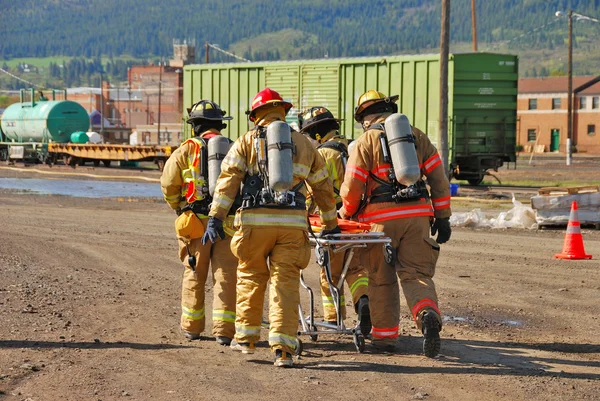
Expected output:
(247, 330)
(361, 282)
(172, 198)
(279, 338)
(441, 203)
(328, 301)
(223, 201)
(391, 332)
(396, 213)
(357, 172)
(192, 314)
(223, 315)
(263, 219)
(382, 171)
(319, 176)
(234, 160)
(193, 182)
(301, 170)
(329, 215)
(422, 304)
(432, 163)
(574, 227)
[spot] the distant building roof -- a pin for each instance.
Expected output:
(556, 85)
(79, 91)
(123, 94)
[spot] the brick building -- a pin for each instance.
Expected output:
(542, 112)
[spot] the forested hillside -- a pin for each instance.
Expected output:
(284, 29)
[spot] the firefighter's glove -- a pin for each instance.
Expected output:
(214, 230)
(178, 211)
(335, 230)
(441, 227)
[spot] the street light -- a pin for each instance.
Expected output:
(578, 17)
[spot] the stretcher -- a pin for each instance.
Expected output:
(354, 235)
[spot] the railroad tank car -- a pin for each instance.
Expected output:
(43, 121)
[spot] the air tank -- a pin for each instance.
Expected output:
(402, 149)
(218, 146)
(281, 167)
(44, 121)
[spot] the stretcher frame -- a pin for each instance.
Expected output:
(324, 247)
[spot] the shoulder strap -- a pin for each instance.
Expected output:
(340, 147)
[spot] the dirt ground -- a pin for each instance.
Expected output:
(89, 310)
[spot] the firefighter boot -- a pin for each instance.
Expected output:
(364, 315)
(431, 334)
(283, 359)
(244, 348)
(222, 340)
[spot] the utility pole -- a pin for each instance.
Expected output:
(474, 24)
(160, 64)
(444, 50)
(102, 106)
(207, 47)
(570, 93)
(129, 93)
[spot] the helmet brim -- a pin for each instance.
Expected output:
(360, 109)
(191, 119)
(312, 124)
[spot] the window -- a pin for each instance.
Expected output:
(596, 102)
(582, 103)
(531, 135)
(532, 104)
(555, 103)
(591, 129)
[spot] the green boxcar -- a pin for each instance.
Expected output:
(482, 104)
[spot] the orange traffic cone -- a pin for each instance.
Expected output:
(573, 246)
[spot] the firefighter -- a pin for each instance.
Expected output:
(406, 214)
(272, 222)
(184, 184)
(320, 126)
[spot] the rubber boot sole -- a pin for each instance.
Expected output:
(364, 320)
(431, 332)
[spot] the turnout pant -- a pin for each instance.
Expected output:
(416, 255)
(218, 258)
(356, 278)
(288, 252)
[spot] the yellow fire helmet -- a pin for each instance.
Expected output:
(188, 226)
(372, 97)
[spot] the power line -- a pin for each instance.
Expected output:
(227, 53)
(505, 42)
(20, 79)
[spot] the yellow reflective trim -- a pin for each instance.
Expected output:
(192, 314)
(319, 176)
(234, 160)
(247, 330)
(329, 215)
(279, 338)
(363, 281)
(301, 170)
(262, 219)
(223, 315)
(223, 201)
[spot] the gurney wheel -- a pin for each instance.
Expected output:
(388, 253)
(299, 347)
(359, 342)
(320, 254)
(314, 337)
